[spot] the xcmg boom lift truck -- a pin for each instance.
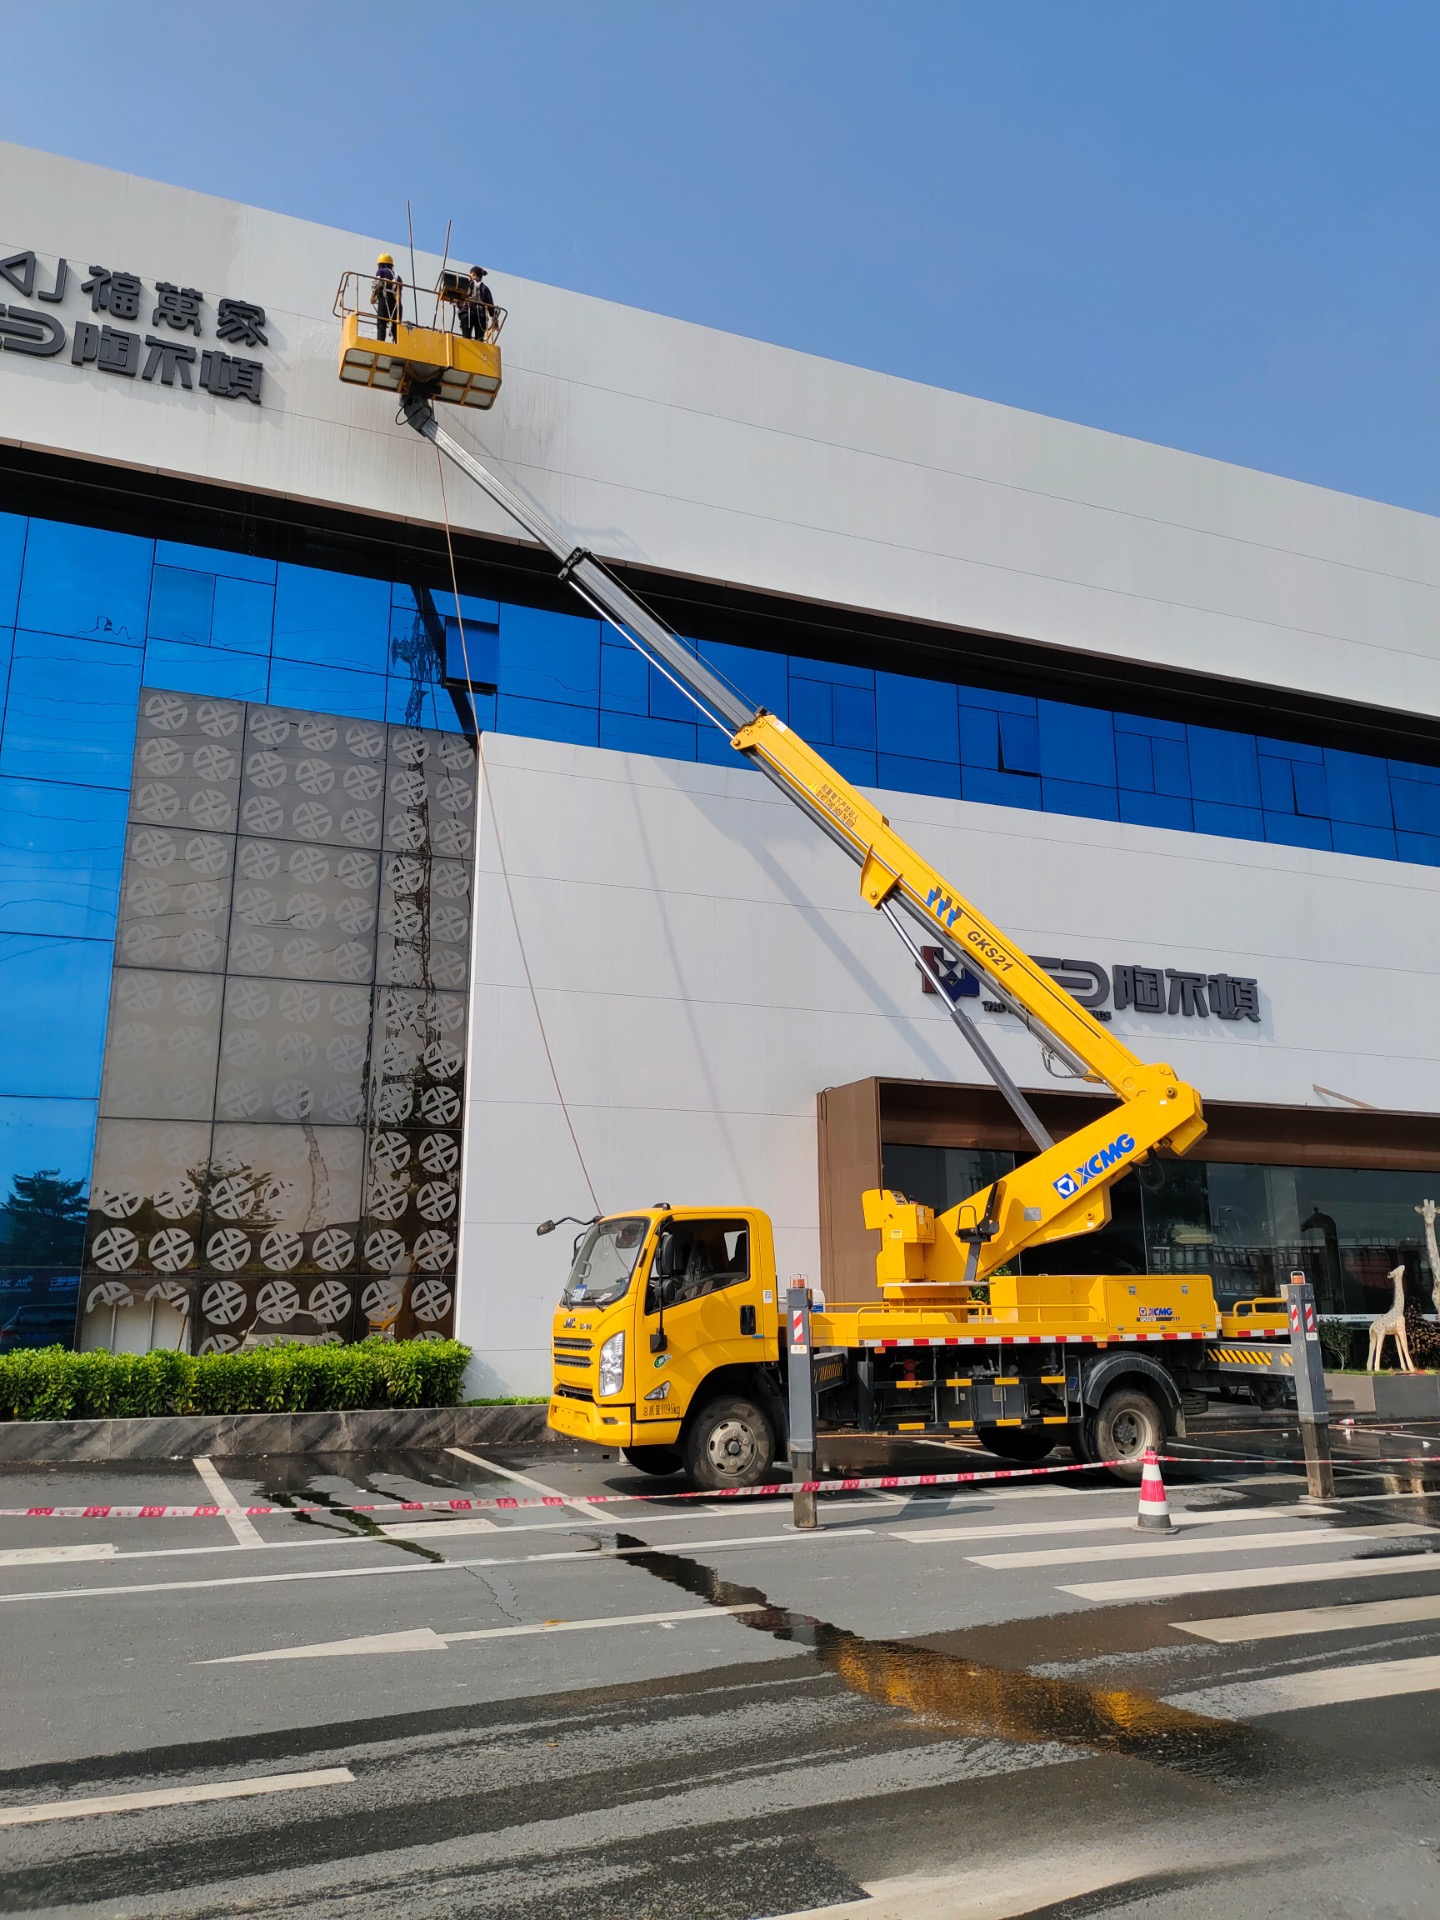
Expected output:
(672, 1341)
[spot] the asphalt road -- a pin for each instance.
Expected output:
(979, 1702)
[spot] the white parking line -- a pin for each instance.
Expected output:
(1321, 1687)
(46, 1556)
(1169, 1546)
(525, 1480)
(1303, 1620)
(1235, 1579)
(1005, 1530)
(174, 1796)
(244, 1530)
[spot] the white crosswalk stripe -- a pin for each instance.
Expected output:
(1110, 1523)
(1233, 1579)
(1319, 1687)
(1297, 1621)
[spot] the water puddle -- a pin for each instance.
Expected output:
(985, 1702)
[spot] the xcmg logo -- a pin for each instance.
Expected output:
(1070, 1184)
(945, 910)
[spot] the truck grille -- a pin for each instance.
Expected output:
(573, 1345)
(580, 1360)
(573, 1393)
(572, 1352)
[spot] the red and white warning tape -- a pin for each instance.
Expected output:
(774, 1490)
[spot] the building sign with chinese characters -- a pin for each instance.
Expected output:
(157, 333)
(1167, 990)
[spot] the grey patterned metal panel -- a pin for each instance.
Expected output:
(278, 1154)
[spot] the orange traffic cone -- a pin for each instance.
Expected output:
(1154, 1514)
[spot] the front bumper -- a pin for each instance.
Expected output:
(607, 1426)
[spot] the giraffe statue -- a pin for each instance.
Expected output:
(1426, 1211)
(1384, 1324)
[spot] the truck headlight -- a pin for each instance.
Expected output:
(612, 1364)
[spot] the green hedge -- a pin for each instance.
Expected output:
(52, 1383)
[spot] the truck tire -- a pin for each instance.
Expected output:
(656, 1460)
(728, 1443)
(1118, 1436)
(1016, 1443)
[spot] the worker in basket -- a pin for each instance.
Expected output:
(386, 290)
(477, 310)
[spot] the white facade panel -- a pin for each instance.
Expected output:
(709, 455)
(702, 966)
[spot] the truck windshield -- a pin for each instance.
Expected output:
(604, 1262)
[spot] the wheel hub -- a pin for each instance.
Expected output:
(732, 1447)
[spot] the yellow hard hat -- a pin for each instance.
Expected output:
(385, 260)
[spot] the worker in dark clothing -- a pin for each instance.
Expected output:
(386, 292)
(478, 311)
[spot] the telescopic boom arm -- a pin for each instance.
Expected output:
(1064, 1189)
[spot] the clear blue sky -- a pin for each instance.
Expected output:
(1211, 223)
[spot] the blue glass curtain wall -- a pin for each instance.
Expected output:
(88, 615)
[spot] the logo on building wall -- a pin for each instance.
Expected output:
(163, 341)
(1167, 990)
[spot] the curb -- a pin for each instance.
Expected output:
(227, 1435)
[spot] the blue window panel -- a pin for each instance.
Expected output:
(905, 775)
(1223, 768)
(1077, 796)
(759, 677)
(59, 989)
(667, 702)
(234, 566)
(1133, 764)
(1312, 795)
(1377, 842)
(86, 582)
(854, 711)
(1293, 830)
(547, 720)
(38, 1134)
(1002, 789)
(1077, 744)
(70, 714)
(979, 737)
(1359, 789)
(427, 706)
(229, 676)
(1019, 743)
(181, 605)
(1290, 750)
(1236, 823)
(856, 765)
(1417, 805)
(1422, 848)
(472, 655)
(60, 854)
(1414, 770)
(624, 681)
(1277, 785)
(630, 733)
(331, 619)
(1171, 761)
(549, 656)
(326, 689)
(811, 710)
(999, 702)
(1156, 810)
(12, 552)
(243, 616)
(1152, 729)
(917, 719)
(831, 670)
(475, 613)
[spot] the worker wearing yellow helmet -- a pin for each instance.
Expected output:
(387, 290)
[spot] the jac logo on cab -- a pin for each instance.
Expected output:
(1070, 1184)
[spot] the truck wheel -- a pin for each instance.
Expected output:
(1268, 1394)
(728, 1443)
(1118, 1437)
(656, 1460)
(1016, 1443)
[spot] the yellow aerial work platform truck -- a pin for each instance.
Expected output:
(673, 1341)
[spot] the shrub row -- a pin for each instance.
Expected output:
(52, 1383)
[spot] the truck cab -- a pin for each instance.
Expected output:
(666, 1343)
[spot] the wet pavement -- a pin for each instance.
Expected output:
(974, 1701)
